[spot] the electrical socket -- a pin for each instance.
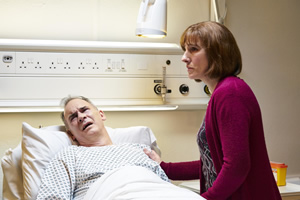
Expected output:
(88, 64)
(30, 63)
(54, 63)
(73, 63)
(7, 63)
(59, 63)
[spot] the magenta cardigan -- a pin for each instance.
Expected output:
(235, 136)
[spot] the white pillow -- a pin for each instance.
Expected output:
(134, 134)
(12, 174)
(40, 145)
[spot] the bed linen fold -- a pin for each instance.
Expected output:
(136, 183)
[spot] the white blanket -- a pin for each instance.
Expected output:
(136, 183)
(74, 170)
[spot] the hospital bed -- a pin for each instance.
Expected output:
(23, 167)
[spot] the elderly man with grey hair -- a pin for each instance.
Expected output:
(71, 173)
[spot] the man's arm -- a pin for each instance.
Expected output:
(59, 178)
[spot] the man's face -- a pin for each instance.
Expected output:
(84, 121)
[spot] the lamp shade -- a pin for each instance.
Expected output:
(152, 19)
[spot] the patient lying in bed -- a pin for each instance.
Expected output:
(72, 172)
(110, 172)
(105, 164)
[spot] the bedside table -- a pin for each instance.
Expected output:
(288, 192)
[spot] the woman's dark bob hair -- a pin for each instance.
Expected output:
(223, 54)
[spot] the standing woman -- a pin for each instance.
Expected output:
(234, 162)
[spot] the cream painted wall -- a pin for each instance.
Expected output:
(105, 20)
(266, 31)
(268, 35)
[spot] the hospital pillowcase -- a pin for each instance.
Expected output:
(38, 148)
(40, 145)
(12, 174)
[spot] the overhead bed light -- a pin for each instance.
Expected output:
(152, 19)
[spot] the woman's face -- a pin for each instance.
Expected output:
(196, 62)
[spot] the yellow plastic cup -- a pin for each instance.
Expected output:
(279, 171)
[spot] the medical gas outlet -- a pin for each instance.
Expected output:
(161, 89)
(184, 89)
(206, 90)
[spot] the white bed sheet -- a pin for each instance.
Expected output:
(136, 183)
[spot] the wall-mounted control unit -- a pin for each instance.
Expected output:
(41, 79)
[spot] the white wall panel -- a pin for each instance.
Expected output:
(39, 79)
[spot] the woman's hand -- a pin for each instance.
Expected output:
(153, 155)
